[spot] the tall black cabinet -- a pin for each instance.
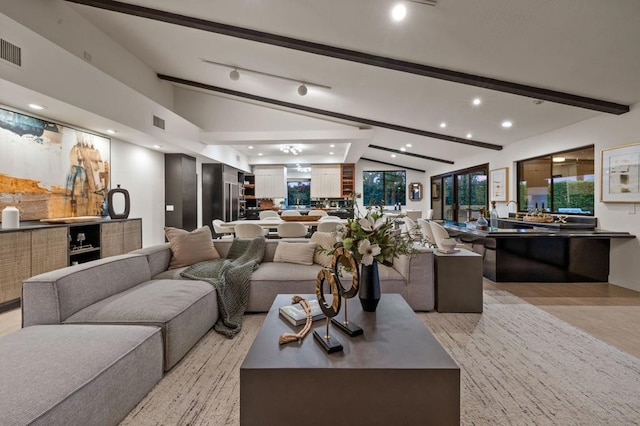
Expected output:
(180, 191)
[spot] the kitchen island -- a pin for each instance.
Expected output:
(534, 252)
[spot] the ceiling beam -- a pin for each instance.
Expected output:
(410, 154)
(327, 113)
(360, 57)
(391, 164)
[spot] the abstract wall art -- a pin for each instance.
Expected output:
(48, 170)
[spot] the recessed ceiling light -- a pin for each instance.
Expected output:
(403, 149)
(250, 147)
(111, 131)
(443, 125)
(506, 124)
(259, 153)
(157, 146)
(398, 12)
(408, 145)
(393, 156)
(331, 153)
(332, 146)
(36, 106)
(469, 135)
(476, 101)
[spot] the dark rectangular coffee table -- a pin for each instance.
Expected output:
(396, 373)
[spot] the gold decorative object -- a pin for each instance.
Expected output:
(329, 344)
(291, 337)
(342, 256)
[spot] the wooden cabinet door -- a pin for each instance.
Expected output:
(111, 241)
(132, 237)
(49, 249)
(15, 263)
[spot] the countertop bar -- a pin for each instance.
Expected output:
(536, 231)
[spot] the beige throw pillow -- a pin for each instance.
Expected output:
(325, 240)
(192, 247)
(300, 253)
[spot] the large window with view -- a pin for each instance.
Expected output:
(562, 182)
(384, 188)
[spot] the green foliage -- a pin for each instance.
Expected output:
(378, 232)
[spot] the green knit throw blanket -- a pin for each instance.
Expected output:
(230, 277)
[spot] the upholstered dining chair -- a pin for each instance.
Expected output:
(221, 231)
(413, 214)
(292, 230)
(290, 213)
(268, 213)
(439, 233)
(427, 233)
(328, 225)
(412, 228)
(317, 213)
(249, 230)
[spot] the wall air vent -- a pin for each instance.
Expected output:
(158, 122)
(10, 52)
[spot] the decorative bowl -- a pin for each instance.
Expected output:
(448, 244)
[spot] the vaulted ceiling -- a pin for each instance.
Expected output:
(376, 87)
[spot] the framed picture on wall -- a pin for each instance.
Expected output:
(619, 177)
(499, 184)
(435, 190)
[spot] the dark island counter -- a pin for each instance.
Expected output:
(533, 252)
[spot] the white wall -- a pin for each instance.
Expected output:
(141, 172)
(603, 132)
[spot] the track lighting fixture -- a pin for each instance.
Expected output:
(234, 75)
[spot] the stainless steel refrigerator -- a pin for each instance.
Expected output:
(220, 193)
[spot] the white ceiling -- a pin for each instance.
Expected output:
(587, 48)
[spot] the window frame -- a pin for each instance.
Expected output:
(393, 200)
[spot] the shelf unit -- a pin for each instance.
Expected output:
(347, 171)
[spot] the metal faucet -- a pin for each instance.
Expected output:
(516, 204)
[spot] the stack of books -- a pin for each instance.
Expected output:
(295, 314)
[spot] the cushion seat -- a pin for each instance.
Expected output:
(76, 374)
(184, 311)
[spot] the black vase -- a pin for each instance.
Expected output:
(369, 287)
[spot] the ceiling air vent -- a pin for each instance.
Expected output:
(158, 122)
(10, 52)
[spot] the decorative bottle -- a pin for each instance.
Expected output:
(493, 221)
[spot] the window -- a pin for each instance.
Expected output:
(462, 195)
(384, 188)
(299, 193)
(562, 182)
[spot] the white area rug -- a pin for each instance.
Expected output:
(519, 366)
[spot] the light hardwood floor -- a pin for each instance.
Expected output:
(606, 311)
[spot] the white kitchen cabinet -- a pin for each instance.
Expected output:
(326, 181)
(270, 182)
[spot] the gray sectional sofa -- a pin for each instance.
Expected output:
(147, 319)
(411, 275)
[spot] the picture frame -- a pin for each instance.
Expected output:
(499, 184)
(435, 190)
(620, 174)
